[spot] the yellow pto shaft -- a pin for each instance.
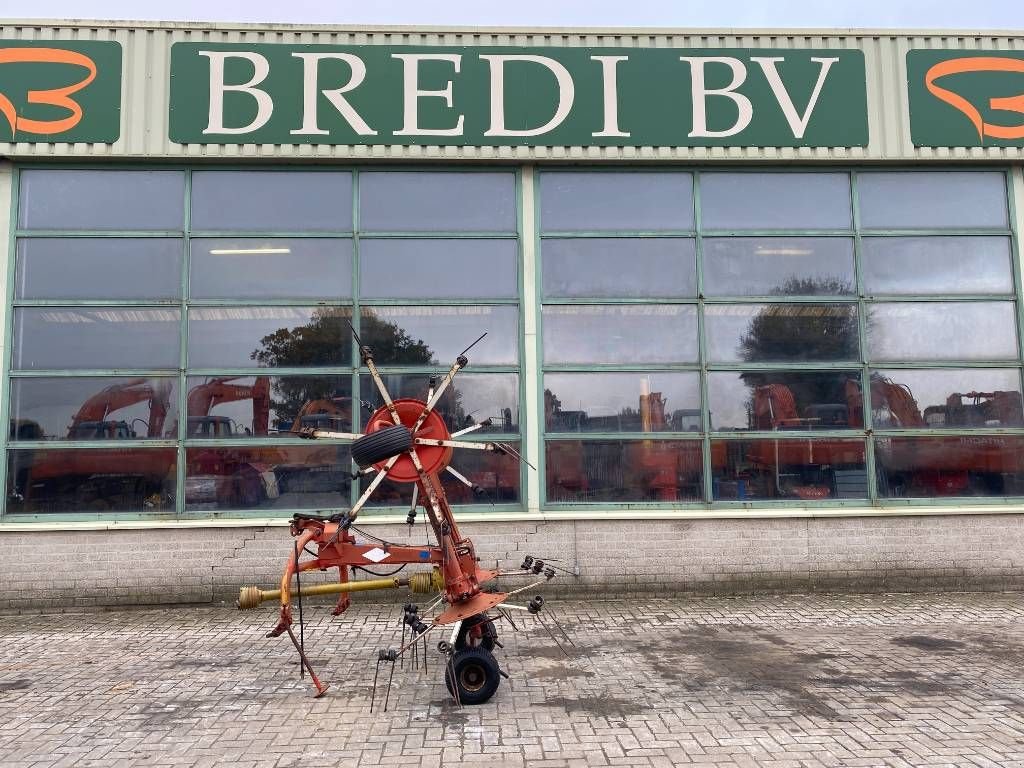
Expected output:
(251, 597)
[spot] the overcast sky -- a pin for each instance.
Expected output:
(921, 14)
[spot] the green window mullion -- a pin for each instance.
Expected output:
(1015, 257)
(270, 234)
(8, 358)
(625, 234)
(702, 350)
(179, 495)
(862, 333)
(442, 235)
(26, 234)
(357, 396)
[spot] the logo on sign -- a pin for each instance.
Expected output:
(1013, 103)
(57, 91)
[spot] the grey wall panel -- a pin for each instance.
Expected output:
(145, 87)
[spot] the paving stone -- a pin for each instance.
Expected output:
(814, 681)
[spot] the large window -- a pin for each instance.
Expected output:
(173, 330)
(733, 337)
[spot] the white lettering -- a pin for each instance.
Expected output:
(311, 90)
(566, 93)
(264, 104)
(609, 66)
(700, 92)
(411, 94)
(797, 123)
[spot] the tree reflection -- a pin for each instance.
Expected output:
(804, 332)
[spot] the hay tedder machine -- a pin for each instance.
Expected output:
(407, 441)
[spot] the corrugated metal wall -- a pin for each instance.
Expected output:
(146, 84)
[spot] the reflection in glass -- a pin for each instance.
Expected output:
(315, 476)
(435, 335)
(406, 268)
(784, 400)
(101, 200)
(930, 199)
(272, 201)
(268, 337)
(778, 266)
(255, 406)
(927, 265)
(930, 467)
(91, 480)
(98, 268)
(497, 475)
(424, 201)
(756, 333)
(735, 201)
(801, 469)
(623, 471)
(114, 337)
(622, 402)
(969, 397)
(633, 201)
(943, 330)
(93, 408)
(471, 399)
(637, 333)
(619, 267)
(302, 267)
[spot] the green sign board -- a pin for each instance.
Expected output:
(966, 98)
(60, 90)
(500, 96)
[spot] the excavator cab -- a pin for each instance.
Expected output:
(210, 426)
(101, 430)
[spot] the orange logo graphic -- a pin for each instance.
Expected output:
(57, 97)
(1003, 104)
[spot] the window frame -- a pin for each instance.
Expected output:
(183, 302)
(858, 298)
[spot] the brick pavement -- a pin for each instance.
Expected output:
(786, 682)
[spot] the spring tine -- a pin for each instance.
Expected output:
(558, 626)
(455, 682)
(387, 695)
(373, 693)
(551, 635)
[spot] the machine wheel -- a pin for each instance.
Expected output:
(381, 445)
(472, 676)
(477, 632)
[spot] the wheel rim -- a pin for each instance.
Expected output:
(472, 677)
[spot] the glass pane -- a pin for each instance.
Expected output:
(798, 470)
(471, 399)
(423, 269)
(315, 476)
(622, 402)
(641, 333)
(436, 335)
(640, 202)
(778, 266)
(268, 337)
(93, 408)
(253, 406)
(942, 330)
(736, 201)
(496, 476)
(931, 467)
(790, 400)
(970, 397)
(927, 199)
(115, 337)
(92, 480)
(758, 333)
(594, 267)
(272, 201)
(99, 268)
(937, 265)
(422, 201)
(271, 268)
(102, 200)
(623, 471)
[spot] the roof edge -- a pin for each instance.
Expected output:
(501, 30)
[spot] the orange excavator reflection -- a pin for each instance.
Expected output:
(94, 480)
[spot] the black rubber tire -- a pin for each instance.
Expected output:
(468, 637)
(475, 672)
(381, 445)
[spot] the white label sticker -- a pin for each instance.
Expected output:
(376, 555)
